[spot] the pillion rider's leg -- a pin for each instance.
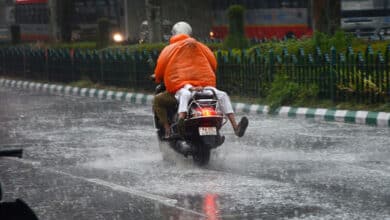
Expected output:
(183, 96)
(161, 103)
(224, 101)
(226, 106)
(227, 109)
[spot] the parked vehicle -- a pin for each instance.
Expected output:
(366, 18)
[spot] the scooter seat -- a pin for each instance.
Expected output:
(203, 95)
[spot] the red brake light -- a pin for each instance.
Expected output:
(207, 111)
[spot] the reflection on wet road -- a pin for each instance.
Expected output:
(92, 159)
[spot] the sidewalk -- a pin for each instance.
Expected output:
(380, 119)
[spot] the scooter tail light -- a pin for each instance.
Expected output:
(205, 112)
(196, 112)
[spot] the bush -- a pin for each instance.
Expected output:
(78, 45)
(292, 46)
(145, 47)
(340, 40)
(215, 46)
(103, 33)
(285, 92)
(15, 34)
(353, 80)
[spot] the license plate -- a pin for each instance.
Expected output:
(203, 131)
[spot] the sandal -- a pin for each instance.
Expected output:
(241, 128)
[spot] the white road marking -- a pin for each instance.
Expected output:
(160, 199)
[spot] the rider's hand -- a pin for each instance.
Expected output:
(152, 77)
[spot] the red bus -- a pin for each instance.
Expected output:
(33, 18)
(265, 18)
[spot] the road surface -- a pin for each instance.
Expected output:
(86, 158)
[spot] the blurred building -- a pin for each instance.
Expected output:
(153, 19)
(6, 19)
(136, 20)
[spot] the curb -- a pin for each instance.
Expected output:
(134, 98)
(380, 119)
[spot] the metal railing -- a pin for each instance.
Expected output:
(340, 76)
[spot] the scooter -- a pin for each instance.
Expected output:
(201, 127)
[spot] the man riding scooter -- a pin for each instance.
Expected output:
(185, 66)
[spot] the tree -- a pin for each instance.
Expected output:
(326, 15)
(236, 37)
(103, 32)
(153, 13)
(65, 11)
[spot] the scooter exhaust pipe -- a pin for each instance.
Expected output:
(183, 147)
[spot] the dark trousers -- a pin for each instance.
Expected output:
(161, 103)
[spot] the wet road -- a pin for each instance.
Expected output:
(86, 158)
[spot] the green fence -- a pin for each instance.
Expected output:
(340, 76)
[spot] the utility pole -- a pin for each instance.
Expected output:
(326, 15)
(53, 27)
(126, 18)
(153, 13)
(310, 15)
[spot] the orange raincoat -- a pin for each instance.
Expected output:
(185, 61)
